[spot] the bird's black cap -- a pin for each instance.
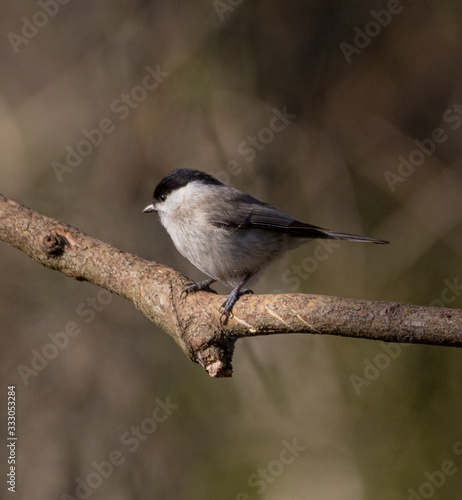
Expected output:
(179, 178)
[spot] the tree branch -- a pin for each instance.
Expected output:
(194, 321)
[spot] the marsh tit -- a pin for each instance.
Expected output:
(226, 233)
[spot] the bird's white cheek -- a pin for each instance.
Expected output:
(162, 216)
(167, 220)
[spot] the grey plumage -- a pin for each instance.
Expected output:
(226, 233)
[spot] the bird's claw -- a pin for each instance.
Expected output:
(192, 286)
(228, 304)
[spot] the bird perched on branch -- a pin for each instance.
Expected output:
(227, 234)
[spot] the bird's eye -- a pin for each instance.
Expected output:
(162, 197)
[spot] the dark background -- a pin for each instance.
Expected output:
(367, 432)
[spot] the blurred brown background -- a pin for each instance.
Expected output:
(359, 83)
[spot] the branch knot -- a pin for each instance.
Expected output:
(55, 244)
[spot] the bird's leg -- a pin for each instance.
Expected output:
(232, 299)
(192, 286)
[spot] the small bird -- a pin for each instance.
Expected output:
(227, 234)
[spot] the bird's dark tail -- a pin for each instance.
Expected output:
(304, 230)
(352, 237)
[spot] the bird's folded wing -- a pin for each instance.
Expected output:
(249, 213)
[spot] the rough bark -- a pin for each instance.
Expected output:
(194, 320)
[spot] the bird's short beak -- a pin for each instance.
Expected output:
(150, 208)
